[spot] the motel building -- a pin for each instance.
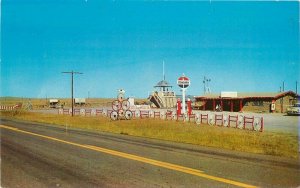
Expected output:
(250, 102)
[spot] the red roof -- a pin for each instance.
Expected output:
(271, 96)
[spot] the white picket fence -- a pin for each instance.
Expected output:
(8, 108)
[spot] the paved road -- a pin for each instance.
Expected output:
(35, 155)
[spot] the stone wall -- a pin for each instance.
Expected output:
(257, 106)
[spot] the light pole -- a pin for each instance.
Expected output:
(72, 87)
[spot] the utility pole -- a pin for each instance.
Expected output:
(72, 87)
(296, 87)
(283, 86)
(204, 88)
(205, 83)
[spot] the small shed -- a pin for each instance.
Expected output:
(79, 101)
(53, 103)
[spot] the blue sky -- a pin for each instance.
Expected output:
(242, 46)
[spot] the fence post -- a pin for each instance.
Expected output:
(262, 124)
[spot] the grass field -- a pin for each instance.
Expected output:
(277, 144)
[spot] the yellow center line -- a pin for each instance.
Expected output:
(137, 158)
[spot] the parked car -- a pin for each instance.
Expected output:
(294, 110)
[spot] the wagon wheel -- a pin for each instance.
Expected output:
(121, 97)
(121, 113)
(128, 114)
(125, 105)
(114, 115)
(240, 122)
(211, 119)
(257, 124)
(116, 105)
(225, 121)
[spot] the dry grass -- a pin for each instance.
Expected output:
(277, 144)
(38, 103)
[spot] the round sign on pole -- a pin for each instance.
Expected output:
(183, 82)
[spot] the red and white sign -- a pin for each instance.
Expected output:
(183, 82)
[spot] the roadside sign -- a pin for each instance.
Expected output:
(183, 82)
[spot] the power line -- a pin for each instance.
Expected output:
(72, 87)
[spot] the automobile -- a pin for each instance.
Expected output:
(294, 110)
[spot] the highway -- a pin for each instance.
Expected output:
(41, 155)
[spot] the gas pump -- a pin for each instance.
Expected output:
(273, 106)
(179, 107)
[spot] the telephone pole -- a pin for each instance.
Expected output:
(72, 87)
(206, 87)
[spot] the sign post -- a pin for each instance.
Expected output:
(183, 82)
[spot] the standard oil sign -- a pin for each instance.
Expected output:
(183, 82)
